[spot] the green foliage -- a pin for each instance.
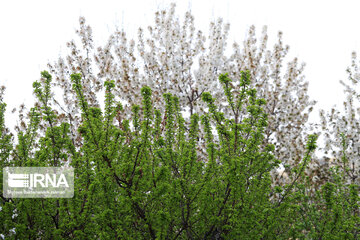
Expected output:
(142, 178)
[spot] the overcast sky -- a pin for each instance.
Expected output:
(320, 33)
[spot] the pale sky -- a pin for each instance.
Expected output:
(320, 33)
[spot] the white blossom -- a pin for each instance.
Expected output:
(172, 55)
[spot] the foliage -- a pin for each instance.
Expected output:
(140, 177)
(144, 169)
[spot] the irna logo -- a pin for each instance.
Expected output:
(38, 182)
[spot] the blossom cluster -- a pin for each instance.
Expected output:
(172, 56)
(341, 128)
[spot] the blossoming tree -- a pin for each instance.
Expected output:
(173, 56)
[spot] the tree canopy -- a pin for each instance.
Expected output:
(181, 141)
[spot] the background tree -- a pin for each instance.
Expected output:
(341, 128)
(173, 56)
